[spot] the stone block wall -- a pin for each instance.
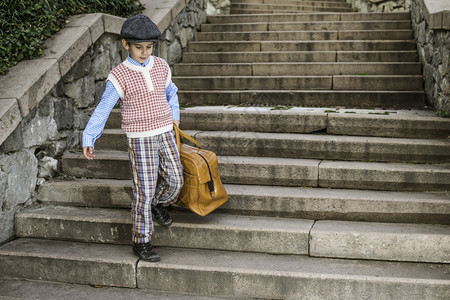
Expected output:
(218, 7)
(180, 31)
(433, 46)
(365, 6)
(31, 154)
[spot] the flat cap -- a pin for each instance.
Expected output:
(138, 29)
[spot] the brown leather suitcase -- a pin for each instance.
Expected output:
(203, 190)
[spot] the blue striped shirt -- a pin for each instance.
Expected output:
(96, 124)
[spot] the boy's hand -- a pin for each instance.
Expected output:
(176, 122)
(88, 152)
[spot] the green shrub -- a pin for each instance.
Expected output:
(25, 24)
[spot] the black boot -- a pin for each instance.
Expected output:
(161, 215)
(145, 251)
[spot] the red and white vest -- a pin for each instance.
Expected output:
(143, 102)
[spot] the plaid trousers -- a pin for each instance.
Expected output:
(150, 156)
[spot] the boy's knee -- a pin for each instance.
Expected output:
(174, 191)
(173, 188)
(178, 184)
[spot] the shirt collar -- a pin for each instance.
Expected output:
(136, 63)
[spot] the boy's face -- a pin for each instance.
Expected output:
(139, 51)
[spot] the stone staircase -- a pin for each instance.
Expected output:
(338, 176)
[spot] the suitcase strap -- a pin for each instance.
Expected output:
(211, 182)
(180, 135)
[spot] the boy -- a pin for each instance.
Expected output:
(149, 106)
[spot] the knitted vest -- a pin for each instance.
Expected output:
(143, 102)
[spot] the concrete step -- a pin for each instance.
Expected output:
(264, 9)
(381, 241)
(398, 34)
(314, 25)
(335, 204)
(348, 45)
(307, 17)
(241, 11)
(384, 176)
(97, 193)
(325, 147)
(115, 165)
(300, 56)
(113, 226)
(311, 98)
(338, 239)
(272, 201)
(71, 262)
(288, 145)
(253, 82)
(270, 46)
(294, 3)
(272, 276)
(285, 172)
(342, 25)
(323, 82)
(15, 289)
(242, 7)
(406, 125)
(234, 27)
(334, 174)
(376, 56)
(354, 122)
(315, 35)
(268, 36)
(378, 82)
(251, 57)
(297, 68)
(278, 17)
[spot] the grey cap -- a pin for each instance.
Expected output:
(138, 29)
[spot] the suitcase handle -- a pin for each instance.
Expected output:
(180, 135)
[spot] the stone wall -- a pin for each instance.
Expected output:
(218, 7)
(181, 30)
(365, 6)
(433, 46)
(31, 154)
